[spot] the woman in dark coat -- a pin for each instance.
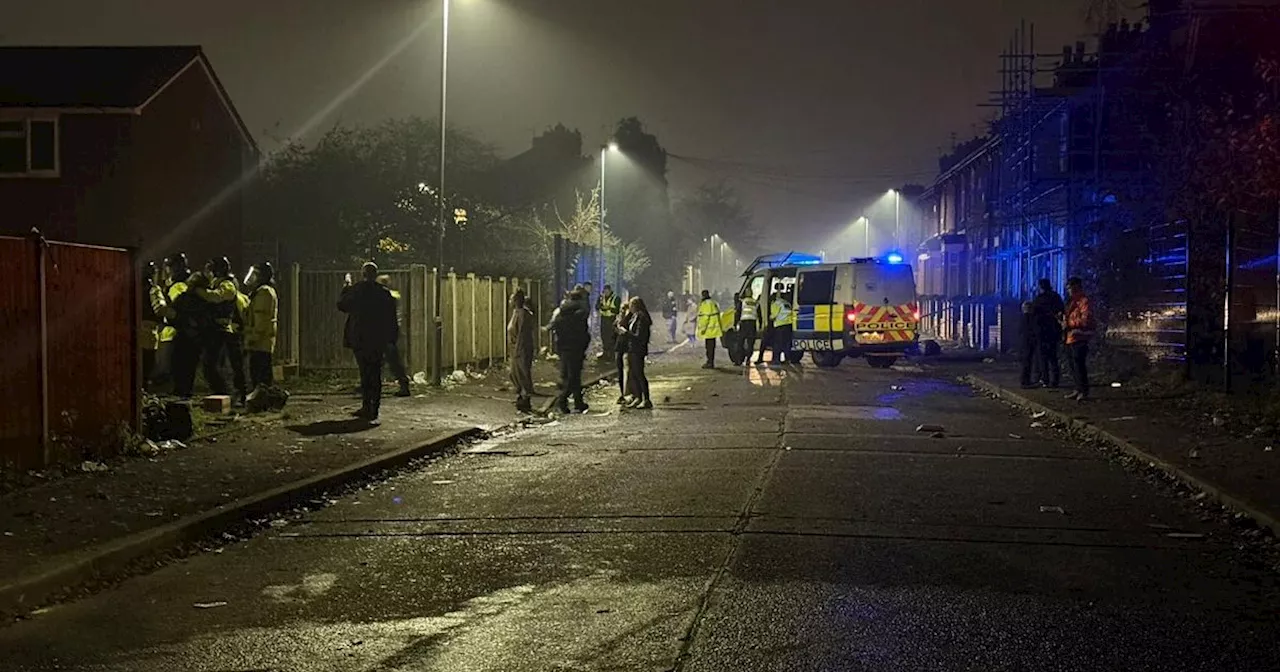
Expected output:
(637, 350)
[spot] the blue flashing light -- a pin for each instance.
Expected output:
(893, 258)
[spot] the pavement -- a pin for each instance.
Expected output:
(1228, 455)
(760, 519)
(66, 533)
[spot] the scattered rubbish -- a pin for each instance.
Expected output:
(1037, 425)
(1015, 436)
(1219, 421)
(1037, 416)
(1199, 496)
(688, 389)
(420, 378)
(788, 448)
(895, 388)
(445, 482)
(1194, 453)
(1184, 535)
(154, 514)
(930, 428)
(1267, 449)
(8, 534)
(93, 467)
(279, 522)
(1123, 418)
(1053, 509)
(209, 605)
(172, 444)
(1115, 384)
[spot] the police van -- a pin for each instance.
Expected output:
(865, 307)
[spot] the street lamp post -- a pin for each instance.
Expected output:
(437, 354)
(604, 154)
(897, 219)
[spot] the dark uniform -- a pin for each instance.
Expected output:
(370, 328)
(224, 336)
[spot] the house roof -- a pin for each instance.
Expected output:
(109, 79)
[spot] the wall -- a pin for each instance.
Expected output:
(188, 160)
(474, 314)
(68, 319)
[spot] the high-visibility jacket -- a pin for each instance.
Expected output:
(222, 299)
(750, 310)
(609, 306)
(261, 324)
(780, 312)
(708, 325)
(150, 330)
(164, 308)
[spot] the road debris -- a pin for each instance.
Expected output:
(1015, 436)
(1115, 385)
(443, 482)
(209, 605)
(1038, 415)
(1053, 509)
(1037, 425)
(1123, 418)
(1194, 453)
(89, 466)
(279, 522)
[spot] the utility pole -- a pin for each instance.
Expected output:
(438, 351)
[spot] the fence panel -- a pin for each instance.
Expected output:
(21, 424)
(321, 324)
(91, 316)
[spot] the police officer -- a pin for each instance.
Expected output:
(608, 306)
(783, 317)
(148, 337)
(766, 341)
(261, 323)
(223, 335)
(184, 316)
(707, 328)
(745, 319)
(573, 337)
(394, 361)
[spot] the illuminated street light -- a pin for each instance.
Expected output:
(605, 151)
(437, 362)
(897, 217)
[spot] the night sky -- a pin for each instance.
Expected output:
(849, 97)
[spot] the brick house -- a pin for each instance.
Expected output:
(122, 146)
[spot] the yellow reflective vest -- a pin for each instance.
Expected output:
(708, 325)
(222, 294)
(165, 309)
(261, 317)
(780, 312)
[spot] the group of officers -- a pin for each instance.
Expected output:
(206, 317)
(747, 315)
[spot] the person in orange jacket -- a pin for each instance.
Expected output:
(1079, 326)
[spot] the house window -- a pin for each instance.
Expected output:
(28, 147)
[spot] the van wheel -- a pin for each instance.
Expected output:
(826, 360)
(795, 356)
(881, 362)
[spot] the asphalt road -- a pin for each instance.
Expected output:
(769, 520)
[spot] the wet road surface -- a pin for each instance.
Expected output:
(766, 520)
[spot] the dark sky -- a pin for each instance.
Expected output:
(867, 91)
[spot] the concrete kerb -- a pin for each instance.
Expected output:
(1211, 490)
(115, 557)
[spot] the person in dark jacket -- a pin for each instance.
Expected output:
(573, 337)
(1048, 309)
(370, 329)
(671, 313)
(1029, 352)
(638, 332)
(621, 337)
(522, 336)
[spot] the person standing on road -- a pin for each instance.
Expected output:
(708, 328)
(370, 329)
(1080, 327)
(622, 338)
(670, 313)
(1029, 352)
(1048, 309)
(607, 307)
(745, 319)
(394, 361)
(523, 338)
(573, 337)
(261, 324)
(638, 331)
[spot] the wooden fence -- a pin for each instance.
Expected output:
(68, 324)
(473, 311)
